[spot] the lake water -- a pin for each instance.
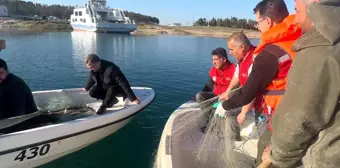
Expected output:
(176, 67)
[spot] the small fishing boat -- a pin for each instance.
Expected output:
(182, 137)
(37, 146)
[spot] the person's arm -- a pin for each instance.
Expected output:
(90, 82)
(17, 99)
(233, 83)
(208, 87)
(264, 70)
(116, 74)
(307, 107)
(245, 109)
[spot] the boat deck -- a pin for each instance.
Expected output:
(186, 139)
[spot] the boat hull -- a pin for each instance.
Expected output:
(105, 27)
(32, 148)
(180, 140)
(58, 147)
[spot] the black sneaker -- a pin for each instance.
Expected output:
(101, 110)
(112, 102)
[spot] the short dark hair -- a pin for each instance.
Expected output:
(93, 58)
(3, 64)
(274, 9)
(221, 52)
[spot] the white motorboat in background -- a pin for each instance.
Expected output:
(96, 16)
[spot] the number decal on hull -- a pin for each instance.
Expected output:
(33, 152)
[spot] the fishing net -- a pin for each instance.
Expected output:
(61, 109)
(218, 145)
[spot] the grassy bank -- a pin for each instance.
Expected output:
(141, 29)
(193, 30)
(36, 25)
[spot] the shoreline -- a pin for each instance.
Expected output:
(200, 31)
(142, 30)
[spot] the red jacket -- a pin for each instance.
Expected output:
(222, 77)
(243, 76)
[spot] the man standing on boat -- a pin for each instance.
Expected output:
(241, 48)
(309, 111)
(273, 59)
(219, 76)
(106, 81)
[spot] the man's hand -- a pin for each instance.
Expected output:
(241, 117)
(137, 101)
(2, 44)
(224, 96)
(83, 89)
(266, 162)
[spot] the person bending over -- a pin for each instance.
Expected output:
(106, 81)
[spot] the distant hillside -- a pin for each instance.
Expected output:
(19, 7)
(137, 17)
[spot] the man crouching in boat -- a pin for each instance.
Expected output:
(15, 96)
(219, 76)
(106, 81)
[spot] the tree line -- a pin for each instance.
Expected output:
(139, 18)
(26, 8)
(232, 22)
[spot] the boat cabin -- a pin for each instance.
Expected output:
(81, 15)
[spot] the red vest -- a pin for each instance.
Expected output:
(243, 76)
(222, 77)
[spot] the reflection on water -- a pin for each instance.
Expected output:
(112, 47)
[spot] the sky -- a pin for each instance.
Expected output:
(180, 11)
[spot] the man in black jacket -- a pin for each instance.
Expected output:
(106, 81)
(15, 96)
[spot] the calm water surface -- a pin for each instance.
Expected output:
(176, 67)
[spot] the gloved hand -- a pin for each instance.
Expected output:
(220, 112)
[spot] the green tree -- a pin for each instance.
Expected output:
(213, 22)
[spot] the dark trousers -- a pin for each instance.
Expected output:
(264, 141)
(108, 96)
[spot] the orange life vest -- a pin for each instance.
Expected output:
(282, 35)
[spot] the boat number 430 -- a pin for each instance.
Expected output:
(33, 152)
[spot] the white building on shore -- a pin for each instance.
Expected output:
(174, 24)
(3, 11)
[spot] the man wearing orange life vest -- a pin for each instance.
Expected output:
(220, 75)
(273, 59)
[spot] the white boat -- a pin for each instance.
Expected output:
(37, 146)
(180, 140)
(96, 16)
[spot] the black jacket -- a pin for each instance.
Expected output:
(15, 98)
(110, 76)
